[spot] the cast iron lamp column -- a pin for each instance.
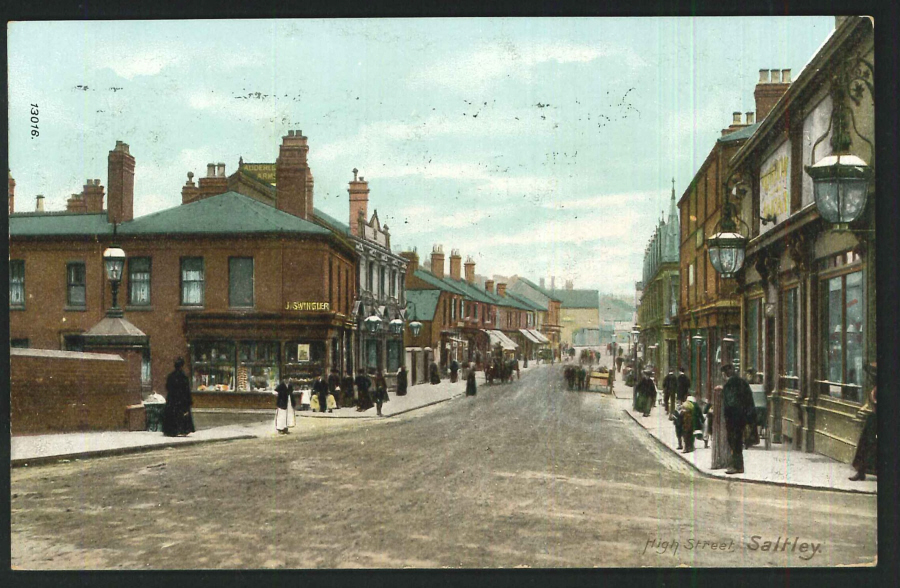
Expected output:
(114, 262)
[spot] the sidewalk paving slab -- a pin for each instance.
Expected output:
(779, 465)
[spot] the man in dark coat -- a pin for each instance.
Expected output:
(284, 419)
(670, 390)
(347, 399)
(363, 383)
(380, 391)
(645, 391)
(177, 419)
(684, 385)
(454, 370)
(471, 387)
(864, 461)
(738, 411)
(320, 389)
(334, 384)
(402, 381)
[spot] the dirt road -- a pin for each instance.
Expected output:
(524, 474)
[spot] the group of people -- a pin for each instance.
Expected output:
(576, 377)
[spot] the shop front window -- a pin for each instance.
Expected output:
(303, 361)
(212, 365)
(257, 366)
(844, 321)
(790, 323)
(393, 359)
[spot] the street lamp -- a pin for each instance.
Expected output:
(114, 261)
(373, 324)
(396, 326)
(727, 247)
(414, 326)
(841, 180)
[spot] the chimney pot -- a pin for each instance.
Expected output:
(750, 117)
(39, 203)
(355, 171)
(735, 118)
(210, 170)
(763, 76)
(190, 176)
(221, 173)
(785, 76)
(776, 76)
(489, 286)
(290, 133)
(501, 289)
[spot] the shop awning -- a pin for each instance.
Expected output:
(530, 336)
(497, 337)
(539, 336)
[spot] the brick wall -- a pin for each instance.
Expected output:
(64, 391)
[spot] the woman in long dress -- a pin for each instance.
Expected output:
(177, 418)
(284, 408)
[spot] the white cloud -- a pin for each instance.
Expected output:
(479, 68)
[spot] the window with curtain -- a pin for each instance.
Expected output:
(192, 281)
(17, 283)
(240, 282)
(844, 323)
(75, 284)
(139, 281)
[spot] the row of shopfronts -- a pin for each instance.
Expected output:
(798, 316)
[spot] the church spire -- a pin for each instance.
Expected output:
(673, 212)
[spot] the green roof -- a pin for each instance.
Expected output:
(525, 302)
(228, 213)
(429, 278)
(577, 298)
(332, 222)
(425, 302)
(41, 224)
(743, 133)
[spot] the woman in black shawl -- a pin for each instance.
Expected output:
(471, 387)
(177, 419)
(402, 381)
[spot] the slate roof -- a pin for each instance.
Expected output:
(332, 222)
(577, 298)
(548, 293)
(228, 213)
(743, 133)
(429, 278)
(425, 303)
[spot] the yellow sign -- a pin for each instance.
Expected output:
(307, 306)
(774, 184)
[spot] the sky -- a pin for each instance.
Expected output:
(536, 146)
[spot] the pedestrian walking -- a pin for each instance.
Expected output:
(471, 386)
(739, 411)
(645, 390)
(454, 371)
(380, 391)
(582, 374)
(402, 381)
(864, 461)
(516, 367)
(284, 407)
(363, 384)
(691, 423)
(348, 398)
(684, 384)
(320, 391)
(676, 417)
(177, 418)
(334, 385)
(670, 389)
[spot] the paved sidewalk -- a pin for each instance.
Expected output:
(779, 465)
(35, 449)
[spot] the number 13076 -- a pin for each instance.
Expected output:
(34, 121)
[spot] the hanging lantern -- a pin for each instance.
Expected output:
(726, 252)
(415, 327)
(840, 187)
(396, 326)
(373, 324)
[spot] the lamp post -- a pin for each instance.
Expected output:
(114, 262)
(728, 246)
(841, 180)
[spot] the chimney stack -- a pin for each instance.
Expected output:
(470, 270)
(291, 172)
(39, 203)
(189, 192)
(771, 87)
(359, 203)
(213, 184)
(437, 261)
(412, 258)
(501, 289)
(569, 284)
(12, 193)
(489, 286)
(749, 118)
(735, 118)
(93, 196)
(120, 171)
(455, 264)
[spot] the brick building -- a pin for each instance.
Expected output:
(247, 291)
(709, 306)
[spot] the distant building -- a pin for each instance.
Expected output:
(579, 309)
